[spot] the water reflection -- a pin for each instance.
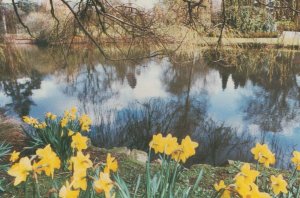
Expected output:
(20, 91)
(226, 109)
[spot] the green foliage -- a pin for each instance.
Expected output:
(250, 19)
(4, 151)
(162, 181)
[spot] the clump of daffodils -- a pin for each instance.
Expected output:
(246, 181)
(34, 122)
(65, 134)
(45, 161)
(81, 165)
(263, 154)
(169, 146)
(172, 154)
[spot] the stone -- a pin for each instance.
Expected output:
(121, 150)
(139, 156)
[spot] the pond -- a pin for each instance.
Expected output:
(226, 109)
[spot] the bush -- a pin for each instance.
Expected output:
(46, 29)
(250, 19)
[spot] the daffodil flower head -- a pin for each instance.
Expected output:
(171, 144)
(14, 156)
(104, 184)
(81, 161)
(263, 155)
(221, 186)
(49, 161)
(111, 164)
(73, 112)
(157, 143)
(20, 170)
(185, 150)
(296, 159)
(85, 121)
(79, 142)
(50, 116)
(64, 121)
(79, 179)
(278, 184)
(249, 176)
(67, 192)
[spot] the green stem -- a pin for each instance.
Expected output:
(25, 188)
(148, 175)
(37, 188)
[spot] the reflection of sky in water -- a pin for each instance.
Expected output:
(224, 105)
(50, 98)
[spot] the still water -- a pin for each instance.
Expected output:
(226, 109)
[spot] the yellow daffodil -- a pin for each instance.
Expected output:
(185, 150)
(167, 145)
(85, 122)
(171, 144)
(248, 174)
(73, 113)
(41, 125)
(79, 142)
(296, 159)
(50, 116)
(255, 193)
(14, 156)
(111, 164)
(278, 184)
(221, 186)
(81, 161)
(67, 192)
(20, 170)
(48, 160)
(64, 122)
(263, 154)
(157, 143)
(242, 187)
(79, 178)
(104, 184)
(31, 121)
(188, 146)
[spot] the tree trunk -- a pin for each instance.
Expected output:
(297, 16)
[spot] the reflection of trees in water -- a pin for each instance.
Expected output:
(135, 125)
(20, 92)
(219, 142)
(95, 84)
(276, 92)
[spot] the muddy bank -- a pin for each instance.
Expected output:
(11, 132)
